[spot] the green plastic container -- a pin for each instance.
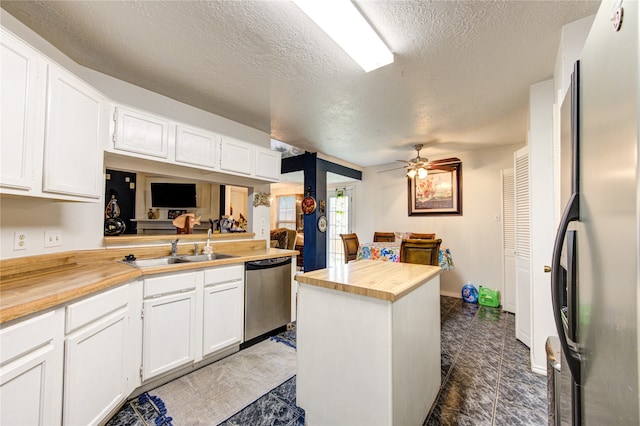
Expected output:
(489, 297)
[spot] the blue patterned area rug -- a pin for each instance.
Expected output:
(145, 410)
(287, 337)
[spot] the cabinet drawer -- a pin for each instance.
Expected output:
(168, 284)
(223, 274)
(29, 334)
(88, 310)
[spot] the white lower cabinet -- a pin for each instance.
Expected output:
(31, 365)
(223, 311)
(97, 352)
(189, 316)
(169, 324)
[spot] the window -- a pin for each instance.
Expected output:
(286, 212)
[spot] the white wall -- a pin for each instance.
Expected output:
(473, 238)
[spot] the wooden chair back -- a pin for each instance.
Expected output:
(422, 236)
(350, 244)
(425, 252)
(387, 237)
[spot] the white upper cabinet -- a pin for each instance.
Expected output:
(141, 133)
(236, 156)
(76, 124)
(196, 146)
(22, 101)
(267, 163)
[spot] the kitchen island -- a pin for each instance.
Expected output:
(368, 343)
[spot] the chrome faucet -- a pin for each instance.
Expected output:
(174, 247)
(195, 247)
(207, 249)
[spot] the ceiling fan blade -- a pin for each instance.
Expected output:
(404, 161)
(389, 170)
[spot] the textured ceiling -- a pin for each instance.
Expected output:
(460, 79)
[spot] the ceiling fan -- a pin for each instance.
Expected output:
(420, 166)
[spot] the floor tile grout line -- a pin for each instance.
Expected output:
(454, 359)
(504, 339)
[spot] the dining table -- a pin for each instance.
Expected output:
(390, 252)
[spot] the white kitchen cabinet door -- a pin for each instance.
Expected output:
(223, 315)
(268, 164)
(31, 364)
(197, 147)
(168, 333)
(96, 355)
(74, 139)
(22, 104)
(95, 361)
(236, 156)
(141, 133)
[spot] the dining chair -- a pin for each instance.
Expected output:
(350, 243)
(425, 252)
(387, 237)
(413, 235)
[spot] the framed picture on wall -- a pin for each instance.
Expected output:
(439, 193)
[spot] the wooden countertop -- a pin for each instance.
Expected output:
(46, 281)
(372, 278)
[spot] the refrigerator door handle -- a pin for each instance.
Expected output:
(571, 213)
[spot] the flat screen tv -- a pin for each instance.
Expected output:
(173, 195)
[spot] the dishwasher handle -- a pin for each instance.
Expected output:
(273, 262)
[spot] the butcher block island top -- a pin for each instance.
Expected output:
(371, 278)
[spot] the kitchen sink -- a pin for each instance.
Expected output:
(169, 260)
(203, 257)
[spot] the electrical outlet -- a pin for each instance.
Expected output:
(52, 238)
(20, 240)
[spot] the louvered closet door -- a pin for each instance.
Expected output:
(523, 246)
(508, 241)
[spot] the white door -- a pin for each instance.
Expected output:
(235, 156)
(168, 333)
(339, 218)
(508, 242)
(196, 146)
(74, 138)
(268, 163)
(31, 371)
(94, 377)
(223, 316)
(22, 89)
(523, 247)
(141, 133)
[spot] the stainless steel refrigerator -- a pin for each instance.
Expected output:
(595, 271)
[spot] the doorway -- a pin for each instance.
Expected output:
(340, 215)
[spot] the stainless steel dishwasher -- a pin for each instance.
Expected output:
(267, 296)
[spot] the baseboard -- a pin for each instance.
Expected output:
(449, 294)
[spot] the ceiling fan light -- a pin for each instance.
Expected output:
(422, 173)
(411, 173)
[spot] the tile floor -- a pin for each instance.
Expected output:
(486, 379)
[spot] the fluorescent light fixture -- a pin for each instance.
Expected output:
(347, 27)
